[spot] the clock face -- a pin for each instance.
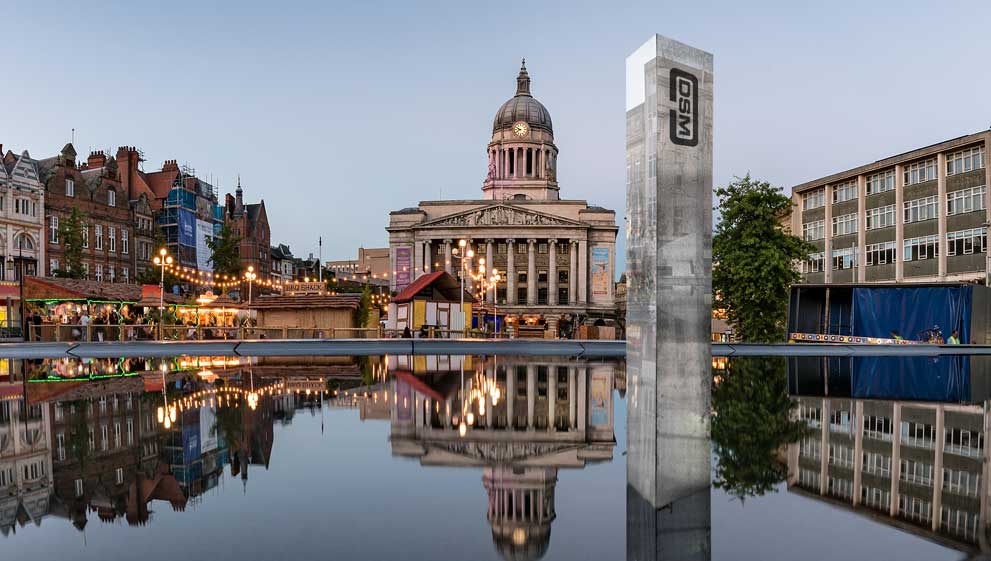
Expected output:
(521, 129)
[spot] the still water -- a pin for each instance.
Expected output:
(473, 457)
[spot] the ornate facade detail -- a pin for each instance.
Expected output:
(503, 451)
(500, 215)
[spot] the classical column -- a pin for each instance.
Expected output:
(489, 264)
(551, 396)
(552, 272)
(510, 396)
(573, 274)
(447, 256)
(511, 271)
(582, 271)
(531, 393)
(427, 257)
(531, 275)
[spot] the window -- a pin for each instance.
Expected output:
(86, 270)
(918, 210)
(914, 508)
(965, 200)
(922, 247)
(111, 197)
(880, 253)
(846, 224)
(99, 272)
(810, 448)
(562, 248)
(562, 275)
(78, 485)
(877, 464)
(876, 498)
(91, 437)
(877, 428)
(965, 160)
(844, 258)
(839, 421)
(85, 228)
(562, 295)
(117, 435)
(961, 482)
(104, 435)
(814, 199)
(119, 476)
(111, 276)
(125, 275)
(53, 229)
(880, 217)
(811, 415)
(541, 276)
(918, 435)
(130, 429)
(881, 182)
(814, 264)
(959, 522)
(841, 456)
(124, 241)
(501, 248)
(814, 230)
(52, 265)
(845, 191)
(808, 478)
(842, 488)
(919, 473)
(541, 248)
(521, 276)
(521, 248)
(99, 235)
(60, 446)
(920, 171)
(112, 236)
(963, 442)
(70, 188)
(966, 242)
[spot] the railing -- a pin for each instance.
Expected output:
(437, 333)
(148, 332)
(9, 330)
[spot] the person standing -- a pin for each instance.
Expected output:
(954, 338)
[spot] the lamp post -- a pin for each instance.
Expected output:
(163, 259)
(250, 276)
(464, 258)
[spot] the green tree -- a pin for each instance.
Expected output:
(225, 252)
(70, 232)
(754, 258)
(751, 423)
(363, 311)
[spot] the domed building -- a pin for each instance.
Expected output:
(556, 256)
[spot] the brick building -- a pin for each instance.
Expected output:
(920, 216)
(94, 188)
(250, 223)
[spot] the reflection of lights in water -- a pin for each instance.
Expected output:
(462, 429)
(519, 536)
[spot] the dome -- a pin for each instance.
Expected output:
(523, 107)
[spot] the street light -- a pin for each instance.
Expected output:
(464, 258)
(163, 259)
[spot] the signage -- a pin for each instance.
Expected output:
(600, 271)
(684, 92)
(404, 272)
(208, 429)
(304, 287)
(599, 396)
(853, 339)
(187, 228)
(204, 233)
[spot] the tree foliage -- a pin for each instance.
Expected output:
(754, 258)
(70, 232)
(225, 252)
(751, 424)
(363, 311)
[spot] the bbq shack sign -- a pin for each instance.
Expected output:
(303, 288)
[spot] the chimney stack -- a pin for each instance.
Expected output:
(97, 159)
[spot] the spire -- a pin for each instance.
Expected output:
(523, 81)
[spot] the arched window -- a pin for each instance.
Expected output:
(24, 242)
(519, 197)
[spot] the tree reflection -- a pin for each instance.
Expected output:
(751, 424)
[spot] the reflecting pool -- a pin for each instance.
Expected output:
(477, 457)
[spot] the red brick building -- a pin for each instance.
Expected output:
(250, 223)
(94, 188)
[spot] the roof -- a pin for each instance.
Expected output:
(441, 281)
(272, 302)
(68, 289)
(281, 251)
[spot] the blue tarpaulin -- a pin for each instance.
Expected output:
(944, 378)
(877, 311)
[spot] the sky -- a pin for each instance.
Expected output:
(335, 113)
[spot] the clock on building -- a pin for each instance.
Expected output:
(521, 129)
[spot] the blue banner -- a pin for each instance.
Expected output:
(187, 228)
(909, 311)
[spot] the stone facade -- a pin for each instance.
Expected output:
(557, 257)
(916, 217)
(22, 216)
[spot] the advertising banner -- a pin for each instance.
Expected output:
(187, 228)
(190, 442)
(208, 434)
(404, 267)
(600, 271)
(599, 395)
(204, 233)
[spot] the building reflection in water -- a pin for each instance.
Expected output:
(917, 466)
(520, 421)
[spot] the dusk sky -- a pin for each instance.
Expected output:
(337, 113)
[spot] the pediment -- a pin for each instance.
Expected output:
(499, 215)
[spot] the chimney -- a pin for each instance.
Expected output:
(96, 159)
(170, 165)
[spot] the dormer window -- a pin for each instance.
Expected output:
(70, 188)
(111, 197)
